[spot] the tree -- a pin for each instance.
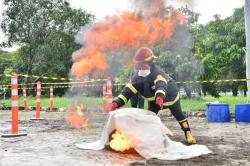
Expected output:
(45, 31)
(221, 50)
(6, 59)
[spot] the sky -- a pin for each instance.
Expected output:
(207, 8)
(102, 8)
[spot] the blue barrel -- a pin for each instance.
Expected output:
(218, 112)
(242, 113)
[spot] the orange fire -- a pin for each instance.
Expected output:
(120, 143)
(76, 118)
(123, 32)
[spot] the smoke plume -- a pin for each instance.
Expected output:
(117, 37)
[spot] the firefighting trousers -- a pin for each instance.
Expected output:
(175, 110)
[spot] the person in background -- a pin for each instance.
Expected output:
(157, 87)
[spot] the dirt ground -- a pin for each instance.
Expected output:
(52, 142)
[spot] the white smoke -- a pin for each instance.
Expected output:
(79, 37)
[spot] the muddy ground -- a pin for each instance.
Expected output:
(52, 142)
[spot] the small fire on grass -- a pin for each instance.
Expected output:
(120, 143)
(76, 118)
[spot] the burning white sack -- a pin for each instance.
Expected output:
(147, 134)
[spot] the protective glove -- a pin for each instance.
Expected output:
(159, 100)
(114, 106)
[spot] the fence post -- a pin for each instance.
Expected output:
(14, 103)
(109, 93)
(24, 99)
(14, 108)
(51, 98)
(38, 101)
(104, 94)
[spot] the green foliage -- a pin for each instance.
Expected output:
(5, 81)
(220, 45)
(7, 61)
(45, 31)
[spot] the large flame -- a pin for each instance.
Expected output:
(76, 118)
(126, 31)
(120, 142)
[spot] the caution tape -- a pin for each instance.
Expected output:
(44, 77)
(205, 81)
(7, 75)
(213, 81)
(55, 87)
(51, 78)
(81, 84)
(69, 86)
(35, 76)
(60, 83)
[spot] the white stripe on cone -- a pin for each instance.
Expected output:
(14, 103)
(109, 91)
(14, 92)
(13, 80)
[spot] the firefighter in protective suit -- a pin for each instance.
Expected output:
(155, 86)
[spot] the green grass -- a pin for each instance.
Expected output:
(192, 104)
(200, 103)
(89, 102)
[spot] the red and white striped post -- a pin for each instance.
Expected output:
(14, 103)
(104, 94)
(24, 99)
(14, 108)
(51, 102)
(109, 94)
(38, 99)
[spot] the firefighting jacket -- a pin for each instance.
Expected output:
(157, 83)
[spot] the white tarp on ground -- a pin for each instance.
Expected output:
(148, 134)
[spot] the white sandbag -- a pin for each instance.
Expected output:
(148, 135)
